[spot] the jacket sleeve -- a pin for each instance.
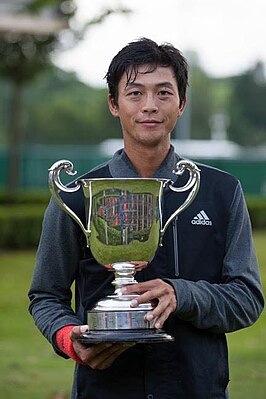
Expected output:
(57, 263)
(238, 301)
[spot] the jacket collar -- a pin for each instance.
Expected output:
(120, 166)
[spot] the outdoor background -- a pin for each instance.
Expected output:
(53, 58)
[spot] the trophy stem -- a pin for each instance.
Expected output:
(124, 275)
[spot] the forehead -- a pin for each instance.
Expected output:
(147, 74)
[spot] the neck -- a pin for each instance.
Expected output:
(147, 160)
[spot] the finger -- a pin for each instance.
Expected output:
(166, 305)
(160, 292)
(139, 265)
(139, 288)
(159, 321)
(161, 311)
(148, 296)
(77, 331)
(110, 360)
(87, 354)
(102, 359)
(105, 358)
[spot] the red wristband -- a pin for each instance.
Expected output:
(65, 344)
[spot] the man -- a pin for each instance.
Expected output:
(204, 279)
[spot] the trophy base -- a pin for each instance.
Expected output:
(113, 320)
(122, 336)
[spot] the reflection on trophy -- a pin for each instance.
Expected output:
(123, 225)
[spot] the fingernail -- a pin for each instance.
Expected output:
(123, 290)
(157, 325)
(134, 303)
(84, 329)
(149, 317)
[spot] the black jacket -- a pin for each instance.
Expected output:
(209, 259)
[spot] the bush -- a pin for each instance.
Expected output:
(257, 211)
(21, 220)
(20, 226)
(26, 197)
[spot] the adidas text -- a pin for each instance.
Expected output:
(202, 219)
(203, 222)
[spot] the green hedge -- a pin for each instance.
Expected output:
(35, 197)
(21, 220)
(20, 225)
(257, 211)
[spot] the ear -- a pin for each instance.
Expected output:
(182, 106)
(113, 107)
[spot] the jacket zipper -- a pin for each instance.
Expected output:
(175, 239)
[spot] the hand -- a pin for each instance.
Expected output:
(99, 356)
(140, 265)
(159, 293)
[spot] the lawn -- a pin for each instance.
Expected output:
(247, 348)
(30, 370)
(28, 367)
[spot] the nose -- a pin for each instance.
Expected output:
(150, 104)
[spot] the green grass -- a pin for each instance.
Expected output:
(247, 347)
(30, 370)
(28, 367)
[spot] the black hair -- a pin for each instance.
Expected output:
(146, 52)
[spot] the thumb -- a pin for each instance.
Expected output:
(77, 331)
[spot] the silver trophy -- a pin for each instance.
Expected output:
(123, 227)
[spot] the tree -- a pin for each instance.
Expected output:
(26, 52)
(247, 107)
(62, 110)
(202, 102)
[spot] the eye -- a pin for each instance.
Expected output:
(134, 93)
(164, 93)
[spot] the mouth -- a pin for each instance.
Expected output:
(149, 122)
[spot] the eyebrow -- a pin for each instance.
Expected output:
(161, 84)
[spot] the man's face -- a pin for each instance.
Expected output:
(148, 106)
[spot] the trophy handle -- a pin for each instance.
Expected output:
(193, 183)
(56, 186)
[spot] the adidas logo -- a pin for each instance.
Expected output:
(201, 219)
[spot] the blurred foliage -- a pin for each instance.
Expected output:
(22, 57)
(61, 109)
(247, 107)
(240, 98)
(67, 7)
(58, 108)
(25, 55)
(24, 215)
(22, 60)
(202, 94)
(20, 225)
(29, 197)
(257, 211)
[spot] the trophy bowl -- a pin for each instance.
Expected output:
(123, 227)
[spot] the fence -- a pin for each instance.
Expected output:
(35, 161)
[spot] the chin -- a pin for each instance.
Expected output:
(153, 143)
